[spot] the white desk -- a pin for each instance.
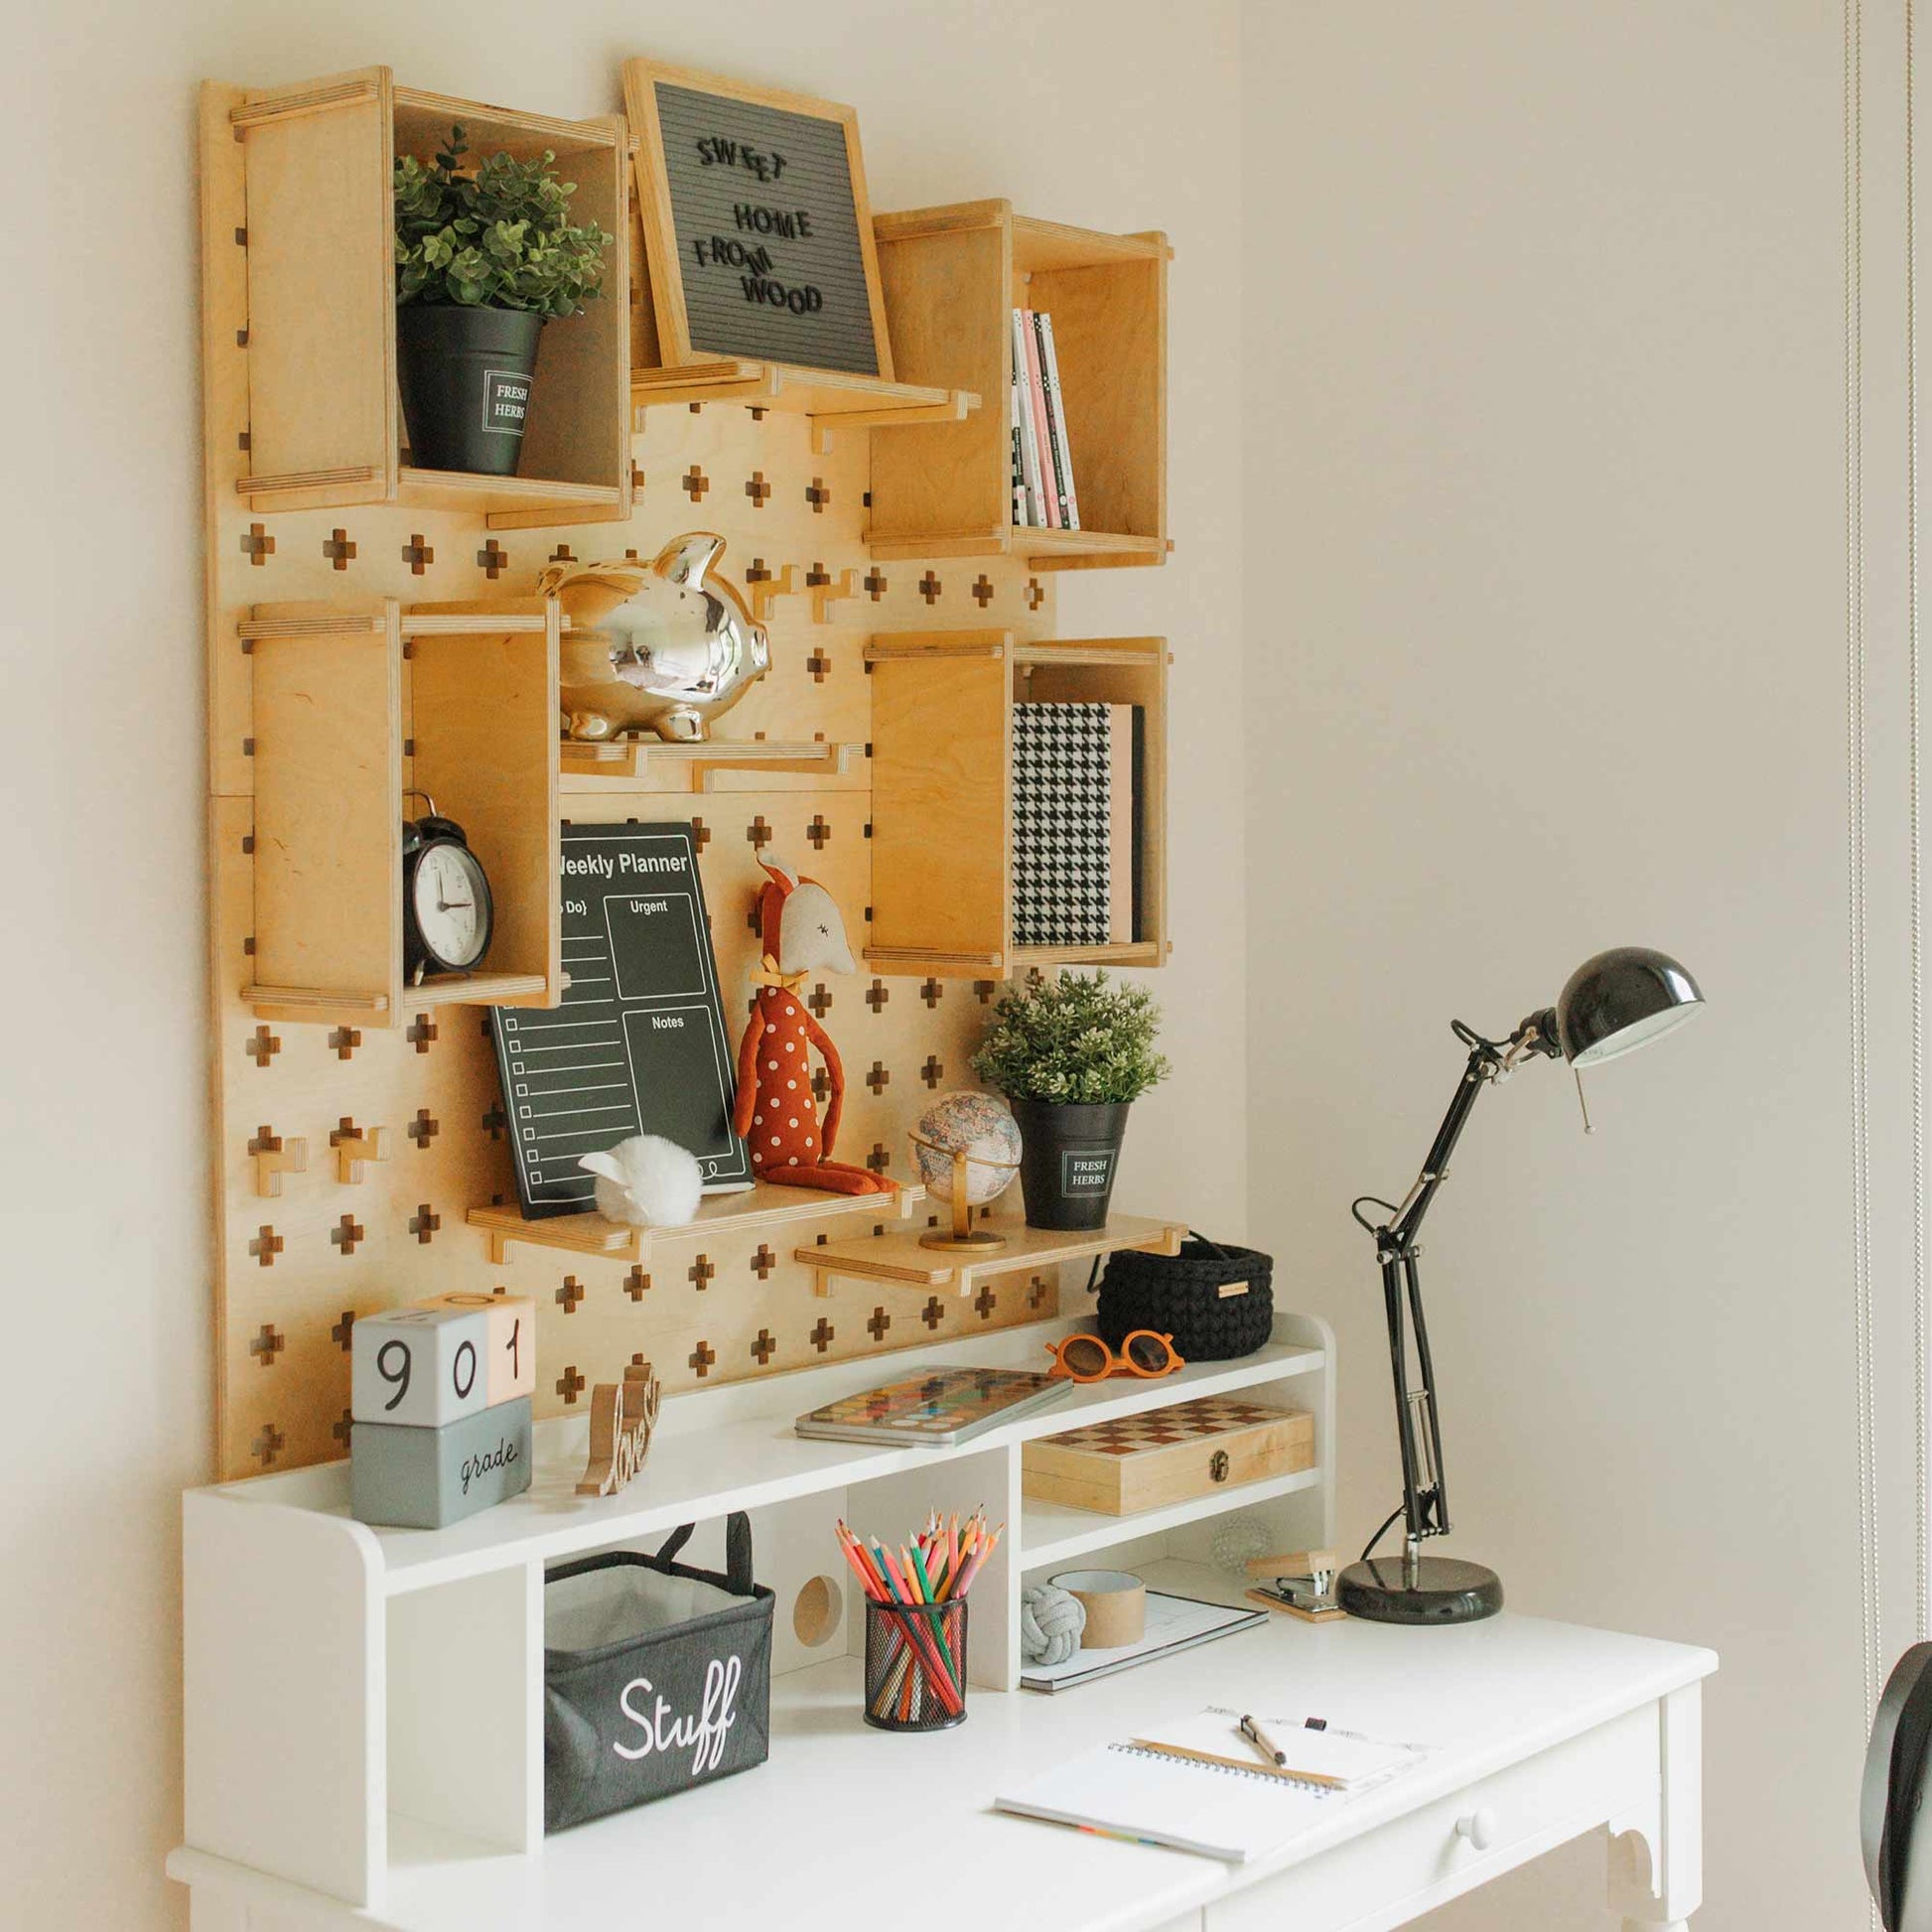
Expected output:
(1546, 1730)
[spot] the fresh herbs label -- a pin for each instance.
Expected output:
(506, 401)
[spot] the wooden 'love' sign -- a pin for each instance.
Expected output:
(757, 235)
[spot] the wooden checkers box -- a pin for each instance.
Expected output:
(1167, 1455)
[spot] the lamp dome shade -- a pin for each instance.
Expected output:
(1622, 1000)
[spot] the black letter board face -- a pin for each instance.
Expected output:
(638, 1044)
(757, 235)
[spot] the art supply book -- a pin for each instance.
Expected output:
(1199, 1786)
(939, 1406)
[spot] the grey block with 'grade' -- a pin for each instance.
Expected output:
(424, 1478)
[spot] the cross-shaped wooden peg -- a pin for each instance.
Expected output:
(829, 591)
(878, 1323)
(274, 1156)
(767, 589)
(353, 1146)
(823, 1334)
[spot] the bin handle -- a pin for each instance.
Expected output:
(738, 1550)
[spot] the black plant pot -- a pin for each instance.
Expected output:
(1068, 1157)
(465, 376)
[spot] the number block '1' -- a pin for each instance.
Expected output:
(512, 1354)
(419, 1367)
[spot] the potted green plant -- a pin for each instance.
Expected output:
(485, 255)
(1070, 1054)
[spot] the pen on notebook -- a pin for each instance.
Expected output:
(1262, 1742)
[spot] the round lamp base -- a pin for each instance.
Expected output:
(980, 1242)
(1441, 1589)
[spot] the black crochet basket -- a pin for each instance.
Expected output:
(1217, 1302)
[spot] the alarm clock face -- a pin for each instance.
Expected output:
(452, 907)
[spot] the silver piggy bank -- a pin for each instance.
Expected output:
(658, 647)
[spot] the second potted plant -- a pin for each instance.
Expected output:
(484, 258)
(1072, 1054)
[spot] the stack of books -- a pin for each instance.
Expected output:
(1044, 497)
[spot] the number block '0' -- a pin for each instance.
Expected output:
(512, 1352)
(420, 1367)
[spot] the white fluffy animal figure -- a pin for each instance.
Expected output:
(646, 1181)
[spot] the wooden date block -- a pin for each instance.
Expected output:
(510, 1355)
(424, 1478)
(419, 1367)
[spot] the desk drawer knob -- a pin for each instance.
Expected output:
(1478, 1826)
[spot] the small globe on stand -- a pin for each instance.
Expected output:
(967, 1145)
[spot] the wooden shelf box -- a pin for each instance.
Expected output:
(333, 686)
(942, 793)
(325, 424)
(952, 278)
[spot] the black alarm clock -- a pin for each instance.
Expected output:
(447, 913)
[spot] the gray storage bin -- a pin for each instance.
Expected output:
(655, 1677)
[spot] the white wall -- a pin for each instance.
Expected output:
(1094, 111)
(1547, 588)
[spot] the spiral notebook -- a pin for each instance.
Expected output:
(1186, 1785)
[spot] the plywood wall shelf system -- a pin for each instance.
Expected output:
(409, 1663)
(310, 167)
(895, 1257)
(952, 277)
(764, 1205)
(336, 575)
(942, 792)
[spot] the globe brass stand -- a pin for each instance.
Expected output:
(964, 1237)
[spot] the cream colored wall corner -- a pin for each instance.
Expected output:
(1546, 336)
(1118, 115)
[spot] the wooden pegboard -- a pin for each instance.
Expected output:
(294, 1270)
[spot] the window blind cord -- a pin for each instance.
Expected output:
(1855, 701)
(1922, 1552)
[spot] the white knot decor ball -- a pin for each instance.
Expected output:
(977, 1126)
(1238, 1540)
(1051, 1622)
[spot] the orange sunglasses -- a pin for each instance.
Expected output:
(1086, 1358)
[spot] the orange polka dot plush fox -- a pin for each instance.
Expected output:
(801, 934)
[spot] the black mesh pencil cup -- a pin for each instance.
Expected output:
(915, 1665)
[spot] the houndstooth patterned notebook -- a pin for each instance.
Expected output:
(1061, 790)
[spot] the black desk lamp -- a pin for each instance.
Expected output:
(1620, 1000)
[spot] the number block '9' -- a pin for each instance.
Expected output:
(512, 1355)
(421, 1367)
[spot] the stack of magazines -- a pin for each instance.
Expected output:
(1044, 497)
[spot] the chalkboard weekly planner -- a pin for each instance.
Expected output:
(638, 1044)
(767, 227)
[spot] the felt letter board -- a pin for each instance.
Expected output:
(638, 1044)
(757, 235)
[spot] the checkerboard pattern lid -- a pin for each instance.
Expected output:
(1060, 803)
(1158, 1428)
